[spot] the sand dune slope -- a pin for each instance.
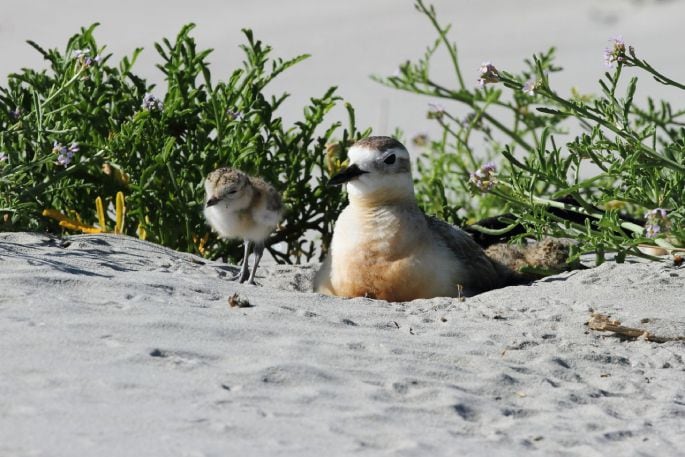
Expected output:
(113, 346)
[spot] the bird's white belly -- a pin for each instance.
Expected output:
(227, 224)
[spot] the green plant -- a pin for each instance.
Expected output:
(629, 160)
(85, 129)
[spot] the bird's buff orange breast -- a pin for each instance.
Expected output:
(368, 274)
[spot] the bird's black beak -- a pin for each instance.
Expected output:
(348, 174)
(211, 202)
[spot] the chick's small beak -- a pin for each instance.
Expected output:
(348, 174)
(211, 202)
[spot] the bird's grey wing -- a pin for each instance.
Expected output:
(482, 273)
(273, 200)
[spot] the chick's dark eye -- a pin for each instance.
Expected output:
(390, 159)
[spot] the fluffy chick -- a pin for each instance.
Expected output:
(241, 206)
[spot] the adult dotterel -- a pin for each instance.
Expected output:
(241, 206)
(385, 247)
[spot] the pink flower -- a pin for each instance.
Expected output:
(484, 178)
(530, 87)
(616, 53)
(657, 222)
(64, 154)
(152, 103)
(488, 74)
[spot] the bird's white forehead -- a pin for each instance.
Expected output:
(362, 154)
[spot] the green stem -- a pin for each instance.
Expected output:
(454, 134)
(495, 232)
(40, 106)
(565, 206)
(517, 139)
(444, 93)
(621, 133)
(452, 50)
(659, 77)
(67, 84)
(57, 176)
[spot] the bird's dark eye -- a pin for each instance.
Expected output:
(232, 191)
(390, 159)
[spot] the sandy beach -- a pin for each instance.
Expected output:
(114, 346)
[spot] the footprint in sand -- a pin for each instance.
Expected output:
(181, 359)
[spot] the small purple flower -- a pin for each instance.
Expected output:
(531, 86)
(488, 74)
(88, 61)
(435, 111)
(656, 222)
(15, 113)
(657, 212)
(152, 103)
(84, 58)
(652, 231)
(64, 154)
(489, 167)
(58, 148)
(65, 159)
(484, 178)
(616, 53)
(3, 156)
(235, 115)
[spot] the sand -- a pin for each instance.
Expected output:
(114, 346)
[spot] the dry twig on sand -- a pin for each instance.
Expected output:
(604, 323)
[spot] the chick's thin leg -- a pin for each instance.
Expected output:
(242, 276)
(240, 267)
(258, 251)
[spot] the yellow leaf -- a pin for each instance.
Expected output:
(73, 225)
(120, 213)
(200, 243)
(54, 214)
(101, 214)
